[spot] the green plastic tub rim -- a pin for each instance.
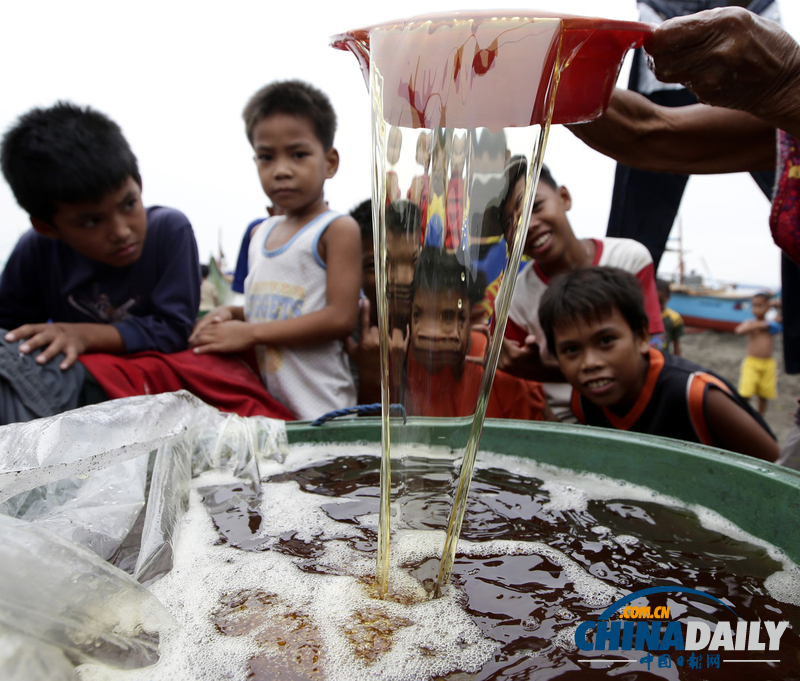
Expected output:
(761, 498)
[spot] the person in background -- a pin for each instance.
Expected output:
(595, 322)
(745, 70)
(403, 227)
(209, 297)
(674, 327)
(440, 379)
(240, 272)
(302, 289)
(759, 372)
(554, 249)
(98, 272)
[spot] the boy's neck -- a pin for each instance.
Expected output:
(578, 255)
(302, 216)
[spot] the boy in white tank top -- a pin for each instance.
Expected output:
(304, 274)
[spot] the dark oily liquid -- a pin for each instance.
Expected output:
(528, 603)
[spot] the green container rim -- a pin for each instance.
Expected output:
(763, 499)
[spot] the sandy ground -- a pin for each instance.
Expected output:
(724, 352)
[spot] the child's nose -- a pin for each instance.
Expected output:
(591, 359)
(119, 230)
(282, 167)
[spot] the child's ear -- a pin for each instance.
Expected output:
(44, 228)
(332, 161)
(566, 198)
(643, 342)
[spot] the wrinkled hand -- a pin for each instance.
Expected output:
(222, 336)
(729, 57)
(55, 338)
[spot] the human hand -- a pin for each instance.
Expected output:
(518, 359)
(222, 336)
(366, 355)
(55, 338)
(730, 57)
(215, 316)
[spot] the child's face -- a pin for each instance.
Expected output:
(440, 329)
(110, 231)
(760, 307)
(602, 359)
(402, 252)
(393, 146)
(292, 163)
(548, 229)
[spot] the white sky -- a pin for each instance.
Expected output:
(175, 76)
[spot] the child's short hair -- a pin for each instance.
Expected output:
(766, 295)
(662, 286)
(295, 98)
(403, 218)
(515, 169)
(492, 144)
(64, 154)
(590, 294)
(362, 214)
(441, 271)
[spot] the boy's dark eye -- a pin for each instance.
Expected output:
(607, 340)
(264, 157)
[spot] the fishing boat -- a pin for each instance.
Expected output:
(710, 308)
(720, 307)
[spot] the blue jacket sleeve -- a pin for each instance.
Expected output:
(242, 267)
(171, 268)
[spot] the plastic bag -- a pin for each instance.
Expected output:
(23, 658)
(82, 473)
(76, 483)
(67, 596)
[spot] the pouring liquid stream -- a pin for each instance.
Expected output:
(454, 98)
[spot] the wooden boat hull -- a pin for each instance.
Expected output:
(721, 312)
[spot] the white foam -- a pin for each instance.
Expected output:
(204, 572)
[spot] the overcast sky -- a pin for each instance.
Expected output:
(175, 76)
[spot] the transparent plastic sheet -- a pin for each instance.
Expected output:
(77, 484)
(236, 445)
(25, 659)
(82, 473)
(64, 594)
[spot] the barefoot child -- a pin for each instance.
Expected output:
(758, 374)
(302, 289)
(595, 323)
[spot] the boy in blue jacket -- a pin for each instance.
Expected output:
(98, 272)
